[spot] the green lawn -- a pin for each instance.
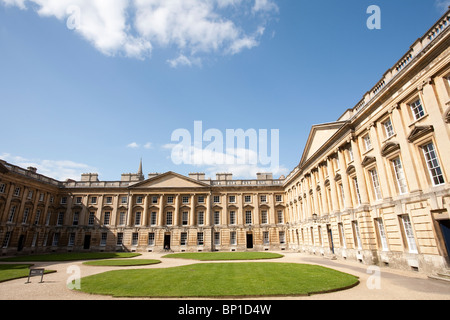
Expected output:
(219, 280)
(122, 262)
(71, 256)
(16, 271)
(214, 256)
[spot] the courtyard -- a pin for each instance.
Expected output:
(374, 283)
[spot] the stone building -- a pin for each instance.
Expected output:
(371, 187)
(374, 185)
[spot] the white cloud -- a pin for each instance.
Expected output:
(442, 5)
(133, 145)
(56, 169)
(243, 163)
(148, 145)
(133, 27)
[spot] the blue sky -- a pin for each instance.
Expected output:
(98, 96)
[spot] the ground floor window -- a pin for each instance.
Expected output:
(120, 239)
(409, 233)
(200, 238)
(183, 238)
(151, 239)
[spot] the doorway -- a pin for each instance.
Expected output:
(167, 241)
(250, 240)
(21, 243)
(445, 228)
(330, 238)
(87, 242)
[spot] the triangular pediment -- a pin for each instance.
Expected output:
(170, 180)
(3, 169)
(318, 136)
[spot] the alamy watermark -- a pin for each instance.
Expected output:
(74, 280)
(374, 21)
(234, 147)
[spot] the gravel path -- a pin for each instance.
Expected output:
(390, 285)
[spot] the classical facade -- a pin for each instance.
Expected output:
(372, 186)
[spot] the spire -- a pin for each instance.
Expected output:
(140, 174)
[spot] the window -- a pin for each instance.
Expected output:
(12, 211)
(36, 234)
(341, 189)
(357, 237)
(169, 218)
(264, 217)
(185, 199)
(38, 217)
(216, 199)
(109, 200)
(17, 192)
(233, 238)
(248, 217)
(120, 238)
(55, 240)
(2, 187)
(47, 220)
(76, 217)
(232, 199)
(137, 218)
(184, 218)
(232, 217)
(183, 239)
(123, 200)
(278, 198)
(400, 176)
(91, 218)
(30, 194)
(409, 233)
(25, 215)
(199, 238)
(154, 200)
(367, 142)
(263, 199)
(216, 217)
(170, 199)
(382, 234)
(266, 237)
(376, 184)
(216, 238)
(78, 200)
(350, 154)
(358, 195)
(107, 218)
(41, 197)
(417, 109)
(282, 236)
(247, 199)
(71, 239)
(122, 216)
(139, 200)
(280, 216)
(433, 165)
(342, 235)
(64, 200)
(201, 199)
(103, 239)
(151, 239)
(201, 218)
(388, 128)
(60, 220)
(93, 200)
(6, 239)
(135, 239)
(153, 218)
